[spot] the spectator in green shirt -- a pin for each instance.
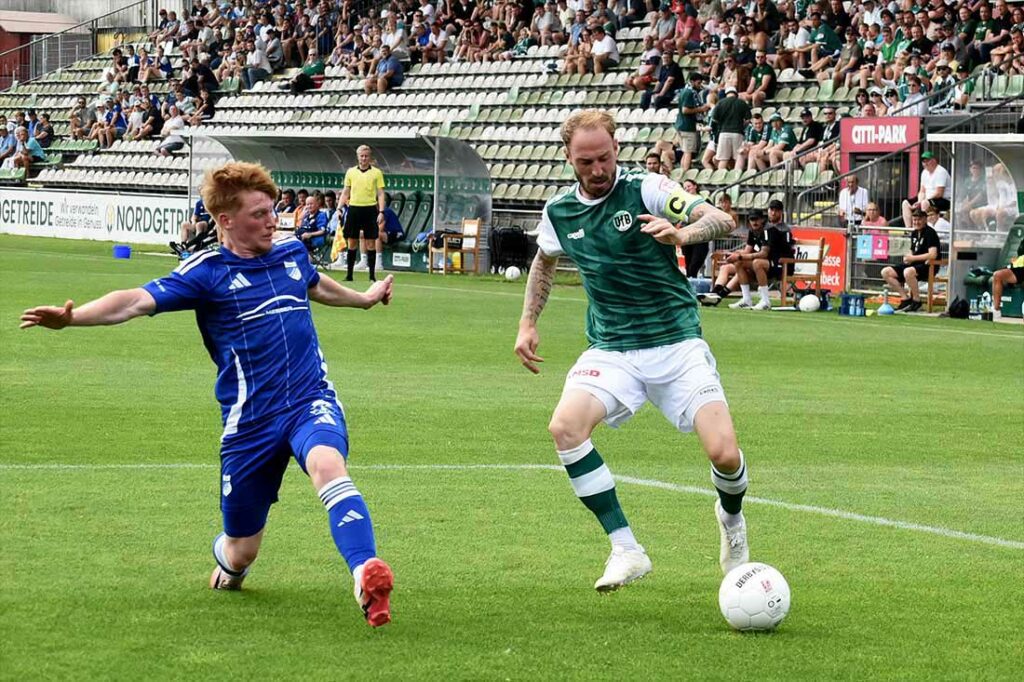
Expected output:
(691, 104)
(303, 80)
(781, 139)
(825, 46)
(762, 81)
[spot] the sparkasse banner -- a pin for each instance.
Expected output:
(145, 219)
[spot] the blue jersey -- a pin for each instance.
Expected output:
(255, 319)
(199, 213)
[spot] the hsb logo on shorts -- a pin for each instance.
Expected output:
(585, 373)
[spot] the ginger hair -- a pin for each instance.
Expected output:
(587, 119)
(222, 187)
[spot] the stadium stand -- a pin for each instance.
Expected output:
(508, 97)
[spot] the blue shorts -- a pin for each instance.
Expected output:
(253, 460)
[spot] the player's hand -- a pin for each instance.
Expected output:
(526, 348)
(380, 292)
(49, 316)
(661, 229)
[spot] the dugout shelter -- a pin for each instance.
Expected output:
(432, 182)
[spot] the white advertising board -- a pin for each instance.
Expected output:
(137, 218)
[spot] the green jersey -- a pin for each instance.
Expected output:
(638, 298)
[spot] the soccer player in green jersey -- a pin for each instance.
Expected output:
(621, 228)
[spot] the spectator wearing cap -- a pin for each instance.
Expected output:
(605, 51)
(763, 81)
(667, 86)
(755, 139)
(687, 34)
(868, 66)
(808, 138)
(731, 115)
(943, 89)
(758, 259)
(848, 63)
(964, 87)
(853, 203)
(934, 189)
(781, 139)
(924, 247)
(877, 99)
(971, 192)
(692, 103)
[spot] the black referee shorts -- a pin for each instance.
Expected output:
(361, 219)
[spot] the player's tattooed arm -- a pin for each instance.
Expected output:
(707, 223)
(538, 287)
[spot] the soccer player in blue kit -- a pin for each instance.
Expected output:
(251, 299)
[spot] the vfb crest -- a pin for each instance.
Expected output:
(622, 221)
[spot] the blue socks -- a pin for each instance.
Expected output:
(350, 521)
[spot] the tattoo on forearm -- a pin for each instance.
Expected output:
(538, 288)
(710, 226)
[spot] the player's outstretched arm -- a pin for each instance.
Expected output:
(329, 292)
(113, 308)
(538, 288)
(706, 224)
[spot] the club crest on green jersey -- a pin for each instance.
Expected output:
(622, 221)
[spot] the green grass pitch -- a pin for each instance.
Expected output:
(109, 483)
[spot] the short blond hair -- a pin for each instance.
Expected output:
(362, 147)
(587, 119)
(223, 186)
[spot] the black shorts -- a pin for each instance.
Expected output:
(920, 268)
(941, 203)
(361, 219)
(775, 270)
(1019, 274)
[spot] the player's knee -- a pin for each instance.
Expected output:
(324, 464)
(567, 433)
(724, 453)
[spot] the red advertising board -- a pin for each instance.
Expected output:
(881, 136)
(833, 269)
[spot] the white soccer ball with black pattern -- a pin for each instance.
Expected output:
(512, 273)
(754, 596)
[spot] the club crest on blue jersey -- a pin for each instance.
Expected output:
(292, 269)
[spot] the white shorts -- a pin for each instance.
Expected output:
(728, 146)
(678, 379)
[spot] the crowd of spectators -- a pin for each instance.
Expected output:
(24, 139)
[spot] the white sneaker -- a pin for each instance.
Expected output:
(361, 266)
(741, 305)
(710, 298)
(763, 304)
(735, 551)
(623, 567)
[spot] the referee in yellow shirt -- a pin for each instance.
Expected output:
(364, 196)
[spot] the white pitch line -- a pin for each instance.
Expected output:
(630, 480)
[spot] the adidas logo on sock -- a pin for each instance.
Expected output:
(239, 282)
(350, 515)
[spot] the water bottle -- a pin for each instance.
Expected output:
(986, 306)
(975, 310)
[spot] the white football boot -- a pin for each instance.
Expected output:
(735, 551)
(741, 305)
(623, 567)
(763, 304)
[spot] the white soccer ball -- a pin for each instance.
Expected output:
(809, 303)
(754, 596)
(512, 273)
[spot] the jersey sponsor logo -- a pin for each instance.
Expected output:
(293, 270)
(585, 373)
(226, 485)
(622, 221)
(578, 234)
(264, 309)
(239, 282)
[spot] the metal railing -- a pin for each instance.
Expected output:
(48, 53)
